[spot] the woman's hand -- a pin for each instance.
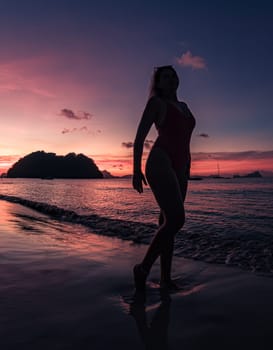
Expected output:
(138, 178)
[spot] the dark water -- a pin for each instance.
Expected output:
(227, 220)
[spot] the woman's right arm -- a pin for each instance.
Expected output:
(148, 118)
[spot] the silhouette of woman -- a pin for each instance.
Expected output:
(167, 169)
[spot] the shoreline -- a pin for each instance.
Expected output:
(64, 288)
(247, 252)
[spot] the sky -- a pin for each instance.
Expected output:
(75, 74)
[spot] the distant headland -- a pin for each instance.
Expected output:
(48, 166)
(254, 174)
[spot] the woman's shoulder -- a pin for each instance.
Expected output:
(156, 105)
(156, 101)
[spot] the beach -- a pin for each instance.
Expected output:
(64, 287)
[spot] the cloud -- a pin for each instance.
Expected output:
(47, 76)
(147, 144)
(6, 161)
(83, 128)
(127, 144)
(119, 166)
(203, 135)
(23, 76)
(234, 156)
(188, 60)
(68, 113)
(86, 115)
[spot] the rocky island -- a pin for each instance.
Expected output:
(48, 166)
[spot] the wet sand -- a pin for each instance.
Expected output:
(63, 287)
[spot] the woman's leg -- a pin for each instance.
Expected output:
(165, 186)
(167, 253)
(161, 218)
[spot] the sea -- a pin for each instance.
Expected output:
(228, 221)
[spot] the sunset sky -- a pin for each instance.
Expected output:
(74, 77)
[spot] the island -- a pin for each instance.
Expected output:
(255, 174)
(107, 175)
(44, 165)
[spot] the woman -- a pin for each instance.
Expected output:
(167, 169)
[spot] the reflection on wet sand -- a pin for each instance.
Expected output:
(154, 334)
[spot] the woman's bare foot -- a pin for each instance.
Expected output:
(140, 276)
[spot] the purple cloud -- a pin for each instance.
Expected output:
(147, 144)
(233, 155)
(203, 135)
(127, 144)
(66, 130)
(68, 113)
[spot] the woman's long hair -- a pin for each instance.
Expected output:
(154, 89)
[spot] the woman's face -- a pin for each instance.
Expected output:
(168, 81)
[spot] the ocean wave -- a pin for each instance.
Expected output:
(127, 230)
(249, 252)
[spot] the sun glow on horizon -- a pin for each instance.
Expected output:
(120, 165)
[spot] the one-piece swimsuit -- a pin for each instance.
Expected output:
(174, 136)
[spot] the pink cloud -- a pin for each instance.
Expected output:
(6, 162)
(45, 76)
(22, 76)
(188, 60)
